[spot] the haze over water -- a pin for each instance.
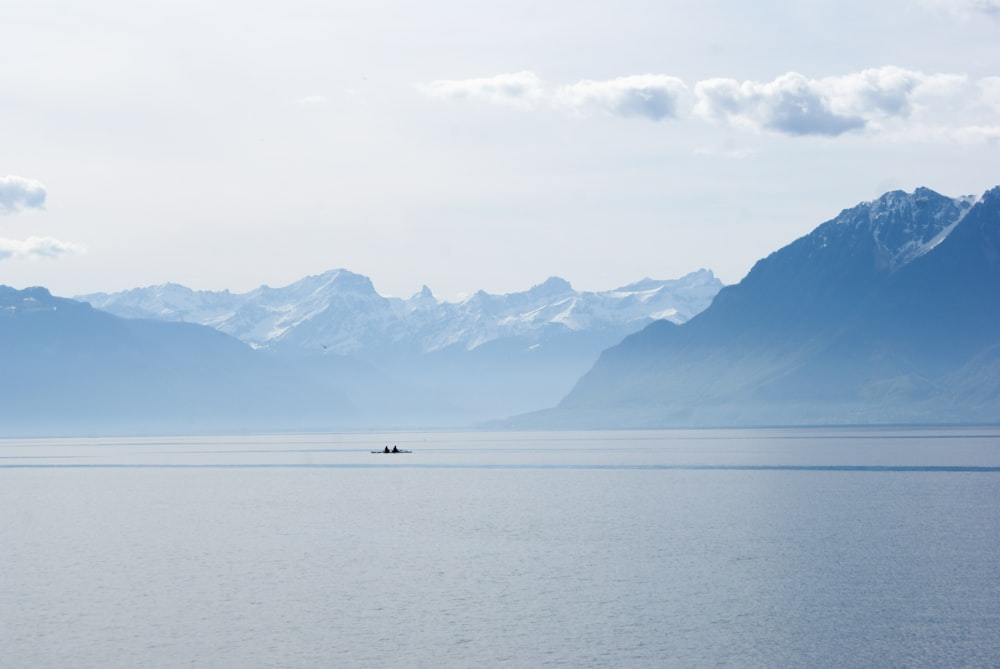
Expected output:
(806, 547)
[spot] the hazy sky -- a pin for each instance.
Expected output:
(470, 145)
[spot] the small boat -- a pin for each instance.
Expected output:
(386, 451)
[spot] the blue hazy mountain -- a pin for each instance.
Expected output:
(71, 369)
(890, 312)
(422, 361)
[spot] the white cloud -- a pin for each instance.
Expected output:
(889, 91)
(36, 247)
(518, 89)
(791, 104)
(653, 96)
(886, 99)
(885, 90)
(796, 105)
(17, 193)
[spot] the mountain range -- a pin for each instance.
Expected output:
(888, 313)
(325, 353)
(340, 311)
(423, 361)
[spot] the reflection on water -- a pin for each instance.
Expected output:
(674, 548)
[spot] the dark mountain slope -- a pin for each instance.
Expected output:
(876, 316)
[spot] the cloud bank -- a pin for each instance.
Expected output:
(18, 193)
(872, 100)
(795, 105)
(651, 96)
(789, 104)
(517, 89)
(36, 247)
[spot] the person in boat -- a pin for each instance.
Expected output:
(386, 449)
(394, 449)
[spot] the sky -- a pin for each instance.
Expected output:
(469, 145)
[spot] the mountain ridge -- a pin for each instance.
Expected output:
(292, 315)
(828, 329)
(481, 357)
(887, 313)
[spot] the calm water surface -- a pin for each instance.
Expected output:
(754, 548)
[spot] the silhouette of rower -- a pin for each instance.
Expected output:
(385, 450)
(395, 450)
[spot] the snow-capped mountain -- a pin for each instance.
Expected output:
(901, 226)
(889, 312)
(341, 312)
(445, 363)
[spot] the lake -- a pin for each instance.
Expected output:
(680, 548)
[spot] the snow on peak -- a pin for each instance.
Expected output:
(340, 312)
(901, 226)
